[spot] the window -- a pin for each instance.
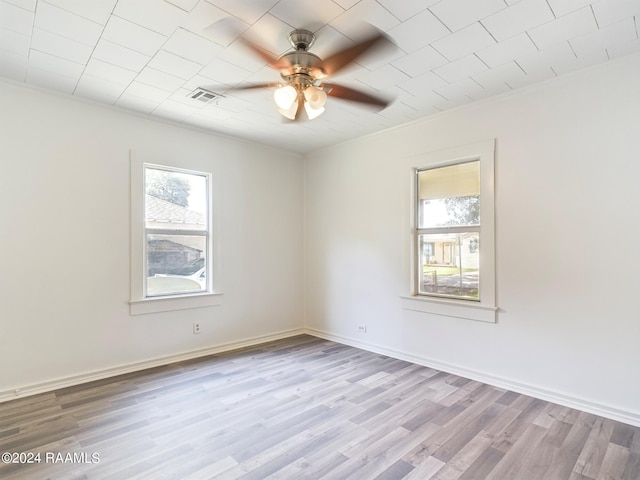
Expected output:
(453, 266)
(177, 231)
(448, 208)
(174, 260)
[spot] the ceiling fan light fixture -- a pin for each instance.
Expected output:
(313, 112)
(315, 97)
(285, 97)
(290, 112)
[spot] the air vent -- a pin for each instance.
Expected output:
(204, 96)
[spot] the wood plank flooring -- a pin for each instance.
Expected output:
(306, 408)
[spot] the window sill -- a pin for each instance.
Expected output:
(450, 308)
(177, 302)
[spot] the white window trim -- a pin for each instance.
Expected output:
(139, 303)
(485, 309)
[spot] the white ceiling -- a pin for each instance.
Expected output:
(148, 55)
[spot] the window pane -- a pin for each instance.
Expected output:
(176, 264)
(175, 200)
(449, 196)
(449, 264)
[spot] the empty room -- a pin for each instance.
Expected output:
(320, 239)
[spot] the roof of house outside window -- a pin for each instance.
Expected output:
(158, 211)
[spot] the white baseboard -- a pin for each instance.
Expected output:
(28, 390)
(607, 411)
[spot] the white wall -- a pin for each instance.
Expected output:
(568, 262)
(64, 240)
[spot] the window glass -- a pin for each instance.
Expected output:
(449, 196)
(448, 234)
(176, 229)
(449, 264)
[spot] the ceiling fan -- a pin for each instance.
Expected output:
(303, 73)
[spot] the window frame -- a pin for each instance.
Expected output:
(457, 229)
(483, 309)
(141, 303)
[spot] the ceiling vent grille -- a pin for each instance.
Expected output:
(204, 96)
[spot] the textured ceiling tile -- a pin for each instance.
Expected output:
(562, 7)
(192, 47)
(518, 18)
(99, 89)
(95, 10)
(581, 62)
(59, 46)
(14, 42)
(612, 11)
(174, 65)
(461, 90)
(51, 80)
(156, 15)
(249, 12)
(555, 55)
(384, 77)
(24, 4)
(66, 24)
(174, 110)
(224, 72)
(457, 14)
(135, 103)
(201, 19)
(465, 67)
(309, 14)
(13, 66)
(107, 71)
(507, 50)
(604, 38)
(147, 92)
(423, 83)
(418, 31)
(407, 8)
(186, 5)
(622, 49)
(158, 79)
(133, 36)
(420, 61)
(16, 19)
(364, 12)
(121, 56)
(53, 64)
(564, 28)
(464, 42)
(507, 73)
(538, 76)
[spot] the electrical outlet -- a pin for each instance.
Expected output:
(196, 328)
(362, 328)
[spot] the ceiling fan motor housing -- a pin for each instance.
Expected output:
(302, 65)
(301, 39)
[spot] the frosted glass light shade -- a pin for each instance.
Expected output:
(313, 112)
(315, 97)
(290, 112)
(285, 97)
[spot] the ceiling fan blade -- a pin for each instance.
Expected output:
(346, 93)
(251, 86)
(272, 60)
(336, 62)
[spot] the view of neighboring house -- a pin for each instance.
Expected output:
(168, 253)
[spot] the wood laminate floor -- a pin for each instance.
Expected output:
(306, 408)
